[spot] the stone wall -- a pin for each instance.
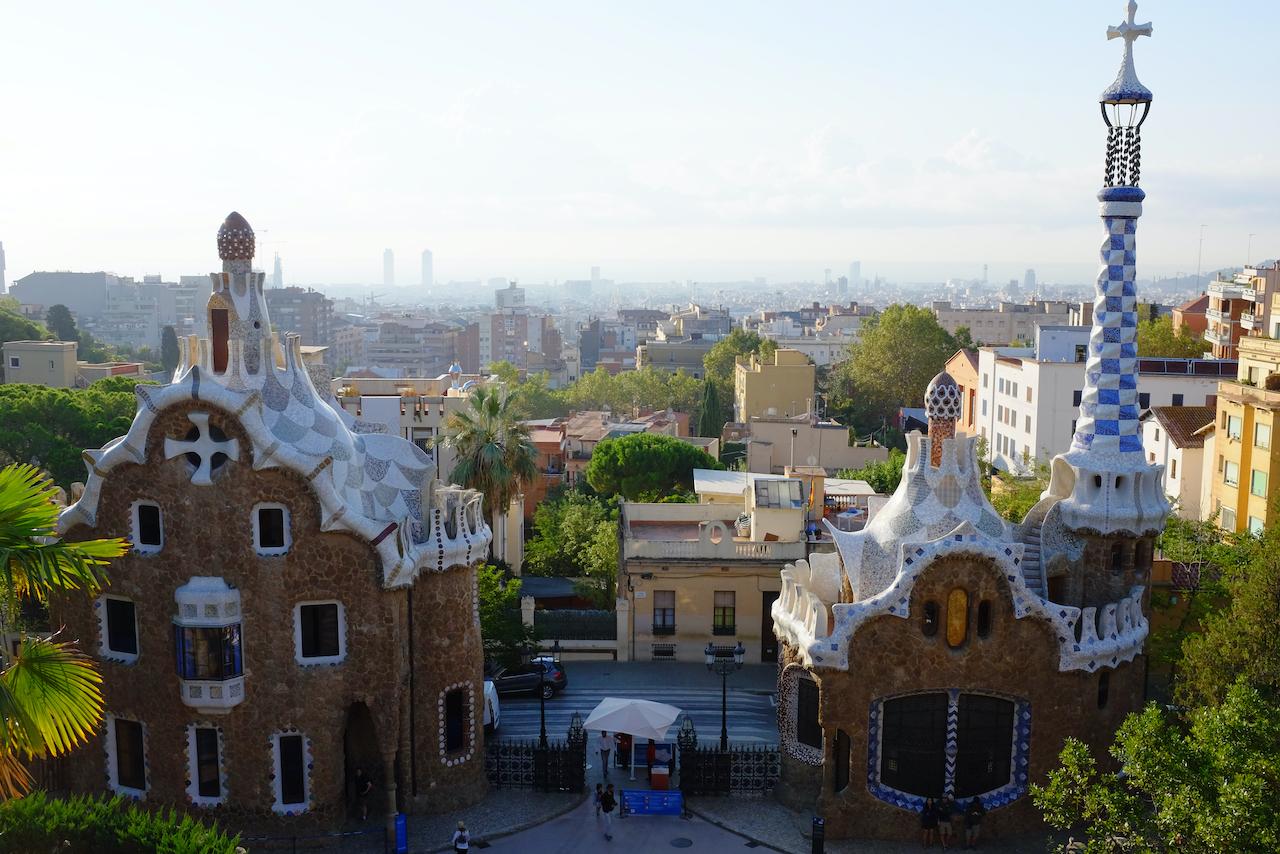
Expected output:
(1019, 658)
(208, 531)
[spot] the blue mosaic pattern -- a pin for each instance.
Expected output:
(1109, 413)
(1019, 770)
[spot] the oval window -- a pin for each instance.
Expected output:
(930, 624)
(957, 617)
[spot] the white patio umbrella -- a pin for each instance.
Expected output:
(638, 718)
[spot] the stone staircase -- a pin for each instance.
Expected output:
(1032, 570)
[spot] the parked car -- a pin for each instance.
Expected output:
(524, 678)
(492, 708)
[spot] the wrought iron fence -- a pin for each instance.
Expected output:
(742, 770)
(561, 766)
(576, 624)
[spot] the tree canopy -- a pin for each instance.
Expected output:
(169, 352)
(883, 477)
(15, 327)
(645, 466)
(51, 427)
(898, 352)
(1207, 787)
(502, 631)
(1156, 337)
(710, 414)
(60, 322)
(494, 453)
(576, 536)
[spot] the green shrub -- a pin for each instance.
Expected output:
(37, 823)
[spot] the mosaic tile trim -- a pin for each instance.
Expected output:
(458, 757)
(788, 700)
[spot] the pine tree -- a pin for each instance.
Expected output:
(710, 416)
(169, 350)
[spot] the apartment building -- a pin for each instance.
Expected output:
(773, 444)
(1244, 461)
(412, 347)
(1005, 324)
(304, 311)
(1176, 438)
(1191, 316)
(1240, 305)
(693, 574)
(685, 355)
(782, 387)
(1029, 397)
(963, 368)
(54, 364)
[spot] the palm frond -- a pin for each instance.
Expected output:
(50, 699)
(33, 562)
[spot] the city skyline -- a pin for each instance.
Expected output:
(759, 143)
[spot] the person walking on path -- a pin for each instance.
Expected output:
(604, 744)
(599, 794)
(928, 821)
(607, 805)
(973, 822)
(461, 839)
(946, 806)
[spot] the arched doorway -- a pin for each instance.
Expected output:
(360, 750)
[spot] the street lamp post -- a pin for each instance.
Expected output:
(724, 665)
(542, 694)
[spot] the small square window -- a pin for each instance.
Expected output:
(1177, 400)
(1075, 397)
(1144, 400)
(148, 527)
(320, 632)
(271, 534)
(15, 362)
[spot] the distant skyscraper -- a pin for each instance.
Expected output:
(1029, 280)
(984, 274)
(388, 268)
(428, 271)
(277, 274)
(855, 273)
(826, 276)
(3, 287)
(595, 277)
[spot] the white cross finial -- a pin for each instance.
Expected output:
(204, 447)
(1127, 29)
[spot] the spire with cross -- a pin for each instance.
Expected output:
(1105, 479)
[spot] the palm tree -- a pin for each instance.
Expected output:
(50, 701)
(494, 453)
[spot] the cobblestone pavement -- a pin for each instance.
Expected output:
(767, 821)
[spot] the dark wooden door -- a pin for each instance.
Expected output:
(768, 640)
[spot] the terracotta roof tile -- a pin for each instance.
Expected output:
(1183, 423)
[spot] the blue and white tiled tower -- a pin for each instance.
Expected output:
(1105, 482)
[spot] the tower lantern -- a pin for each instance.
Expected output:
(1125, 104)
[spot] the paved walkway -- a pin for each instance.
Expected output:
(580, 832)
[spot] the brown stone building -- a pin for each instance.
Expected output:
(299, 601)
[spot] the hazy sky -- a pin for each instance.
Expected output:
(659, 140)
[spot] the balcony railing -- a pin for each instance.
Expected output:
(724, 630)
(1221, 339)
(695, 550)
(1249, 321)
(1230, 290)
(664, 629)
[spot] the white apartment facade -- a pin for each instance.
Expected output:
(1179, 438)
(1029, 397)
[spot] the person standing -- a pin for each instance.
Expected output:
(973, 822)
(461, 839)
(928, 821)
(604, 744)
(364, 788)
(945, 807)
(599, 794)
(607, 805)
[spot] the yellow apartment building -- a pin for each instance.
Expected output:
(780, 388)
(1245, 469)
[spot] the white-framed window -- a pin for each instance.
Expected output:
(1262, 435)
(127, 772)
(117, 628)
(320, 632)
(290, 756)
(271, 534)
(208, 786)
(1256, 526)
(1231, 473)
(148, 527)
(15, 362)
